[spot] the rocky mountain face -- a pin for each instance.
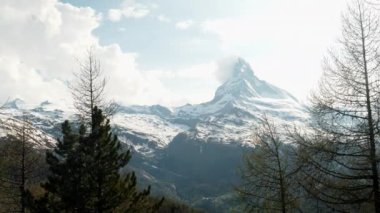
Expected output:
(190, 152)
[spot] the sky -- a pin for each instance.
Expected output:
(162, 51)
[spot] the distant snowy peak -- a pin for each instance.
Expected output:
(243, 84)
(149, 110)
(14, 104)
(242, 70)
(237, 106)
(246, 93)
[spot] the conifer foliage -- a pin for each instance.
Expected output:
(85, 173)
(66, 185)
(109, 188)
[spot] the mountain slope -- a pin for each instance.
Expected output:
(238, 104)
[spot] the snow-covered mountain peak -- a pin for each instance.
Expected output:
(243, 94)
(242, 70)
(244, 85)
(57, 106)
(45, 103)
(14, 104)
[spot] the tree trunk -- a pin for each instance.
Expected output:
(375, 178)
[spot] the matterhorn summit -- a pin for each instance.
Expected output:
(244, 92)
(244, 84)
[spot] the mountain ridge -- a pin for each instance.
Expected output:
(237, 105)
(176, 149)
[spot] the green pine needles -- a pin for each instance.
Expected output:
(85, 174)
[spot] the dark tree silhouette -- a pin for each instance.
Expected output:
(85, 174)
(21, 163)
(110, 188)
(341, 153)
(269, 172)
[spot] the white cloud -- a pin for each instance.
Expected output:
(204, 71)
(129, 9)
(129, 85)
(115, 15)
(183, 25)
(202, 77)
(20, 81)
(163, 18)
(41, 42)
(225, 68)
(42, 39)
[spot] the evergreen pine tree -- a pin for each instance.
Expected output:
(67, 184)
(106, 160)
(85, 174)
